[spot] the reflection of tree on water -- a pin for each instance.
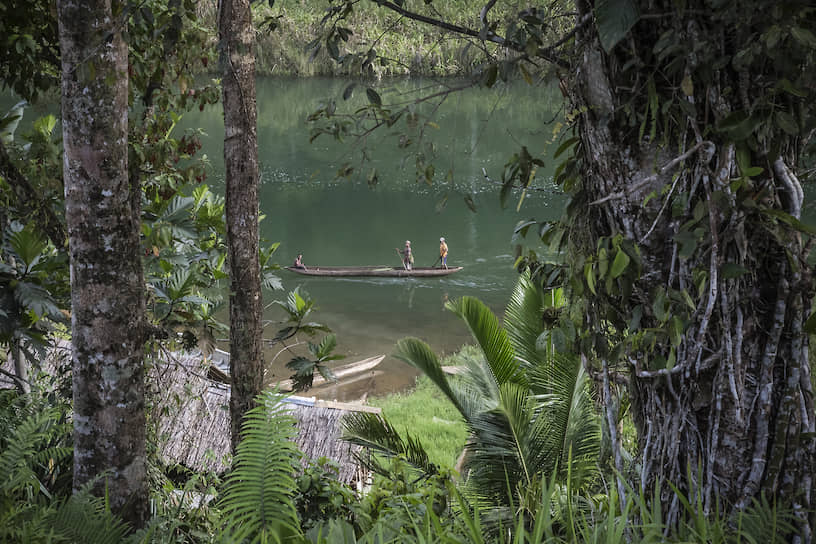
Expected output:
(445, 299)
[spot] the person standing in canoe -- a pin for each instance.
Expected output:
(407, 255)
(443, 253)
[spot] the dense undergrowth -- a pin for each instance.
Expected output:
(36, 504)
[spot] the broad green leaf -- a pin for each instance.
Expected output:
(732, 270)
(659, 306)
(590, 277)
(786, 122)
(9, 122)
(614, 19)
(810, 324)
(637, 314)
(564, 146)
(620, 263)
(803, 36)
(687, 299)
(373, 97)
(676, 328)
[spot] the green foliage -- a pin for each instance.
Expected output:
(377, 41)
(33, 289)
(305, 367)
(428, 415)
(529, 420)
(396, 505)
(375, 433)
(257, 501)
(29, 47)
(321, 497)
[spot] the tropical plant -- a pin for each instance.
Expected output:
(33, 290)
(298, 307)
(257, 504)
(529, 411)
(321, 496)
(305, 367)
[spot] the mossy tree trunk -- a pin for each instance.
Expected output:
(107, 288)
(236, 37)
(689, 253)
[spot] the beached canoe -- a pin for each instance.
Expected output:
(382, 271)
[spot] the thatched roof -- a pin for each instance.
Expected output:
(56, 358)
(192, 406)
(194, 429)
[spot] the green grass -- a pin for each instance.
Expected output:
(425, 413)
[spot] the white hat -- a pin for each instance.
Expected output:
(442, 239)
(407, 242)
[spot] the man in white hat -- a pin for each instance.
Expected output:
(443, 252)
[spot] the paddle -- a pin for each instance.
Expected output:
(436, 261)
(401, 259)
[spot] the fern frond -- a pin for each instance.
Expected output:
(26, 440)
(85, 518)
(257, 504)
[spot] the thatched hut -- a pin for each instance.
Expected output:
(191, 404)
(194, 428)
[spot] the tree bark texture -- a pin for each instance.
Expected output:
(710, 322)
(236, 39)
(106, 274)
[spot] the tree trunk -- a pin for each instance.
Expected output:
(106, 274)
(20, 367)
(708, 314)
(236, 37)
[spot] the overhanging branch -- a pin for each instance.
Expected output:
(488, 35)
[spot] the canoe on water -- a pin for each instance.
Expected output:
(382, 271)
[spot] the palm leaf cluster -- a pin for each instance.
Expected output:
(529, 410)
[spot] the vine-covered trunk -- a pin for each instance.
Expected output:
(687, 215)
(241, 161)
(102, 215)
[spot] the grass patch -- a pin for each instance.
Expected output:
(425, 413)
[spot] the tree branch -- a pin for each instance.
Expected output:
(488, 35)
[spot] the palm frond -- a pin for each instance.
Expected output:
(571, 413)
(501, 450)
(522, 318)
(491, 337)
(257, 503)
(374, 432)
(418, 354)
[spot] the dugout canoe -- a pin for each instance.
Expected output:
(380, 271)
